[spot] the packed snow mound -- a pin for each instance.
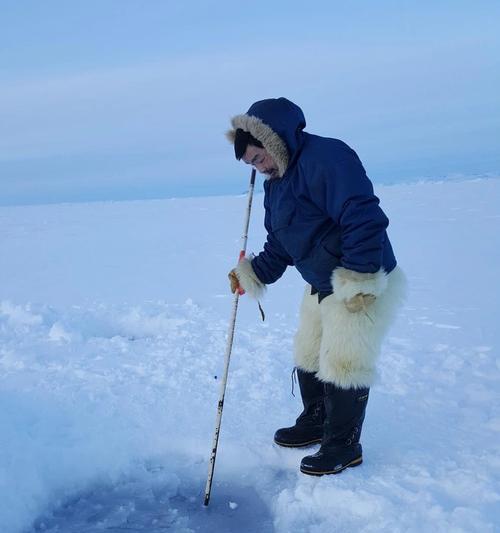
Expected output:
(113, 323)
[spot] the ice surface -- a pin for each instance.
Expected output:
(113, 319)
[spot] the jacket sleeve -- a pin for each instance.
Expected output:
(271, 263)
(344, 191)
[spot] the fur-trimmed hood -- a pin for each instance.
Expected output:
(277, 123)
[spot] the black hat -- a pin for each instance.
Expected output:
(241, 141)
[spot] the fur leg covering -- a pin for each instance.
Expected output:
(248, 279)
(347, 283)
(308, 338)
(351, 342)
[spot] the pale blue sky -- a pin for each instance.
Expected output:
(124, 99)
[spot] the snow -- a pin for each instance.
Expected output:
(113, 318)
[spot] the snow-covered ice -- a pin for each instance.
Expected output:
(113, 318)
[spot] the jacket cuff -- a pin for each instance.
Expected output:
(249, 281)
(347, 283)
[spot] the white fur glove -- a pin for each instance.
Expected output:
(244, 276)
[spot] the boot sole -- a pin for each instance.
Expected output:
(298, 445)
(354, 462)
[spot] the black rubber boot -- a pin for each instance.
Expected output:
(340, 447)
(308, 428)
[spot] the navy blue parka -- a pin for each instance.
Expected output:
(322, 213)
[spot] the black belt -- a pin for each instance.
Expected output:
(321, 295)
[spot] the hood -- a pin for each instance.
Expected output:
(277, 123)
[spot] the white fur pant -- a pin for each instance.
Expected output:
(342, 347)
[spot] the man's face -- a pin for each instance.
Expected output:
(261, 160)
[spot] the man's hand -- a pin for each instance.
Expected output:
(359, 302)
(234, 281)
(244, 280)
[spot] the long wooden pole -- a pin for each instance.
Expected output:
(229, 347)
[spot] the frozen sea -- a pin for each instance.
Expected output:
(113, 319)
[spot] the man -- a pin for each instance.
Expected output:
(321, 216)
